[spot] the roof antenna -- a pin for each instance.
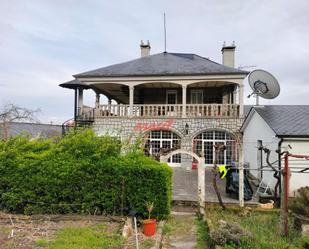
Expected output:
(164, 34)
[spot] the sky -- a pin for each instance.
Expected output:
(44, 42)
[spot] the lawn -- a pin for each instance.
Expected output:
(263, 226)
(96, 237)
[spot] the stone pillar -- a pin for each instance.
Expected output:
(241, 100)
(80, 101)
(201, 185)
(184, 101)
(241, 176)
(131, 100)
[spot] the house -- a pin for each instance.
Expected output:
(278, 128)
(175, 100)
(33, 129)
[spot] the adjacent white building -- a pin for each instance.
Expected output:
(278, 128)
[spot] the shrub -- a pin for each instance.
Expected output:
(81, 173)
(300, 204)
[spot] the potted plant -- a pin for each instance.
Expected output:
(149, 225)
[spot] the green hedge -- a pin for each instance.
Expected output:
(81, 173)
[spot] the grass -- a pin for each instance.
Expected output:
(264, 227)
(202, 234)
(96, 237)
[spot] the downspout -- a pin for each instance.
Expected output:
(279, 167)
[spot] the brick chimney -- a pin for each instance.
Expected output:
(145, 49)
(228, 55)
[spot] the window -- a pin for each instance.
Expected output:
(196, 96)
(159, 140)
(205, 142)
(171, 97)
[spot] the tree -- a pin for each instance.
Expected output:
(10, 113)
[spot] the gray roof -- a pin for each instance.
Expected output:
(163, 64)
(286, 120)
(74, 84)
(34, 129)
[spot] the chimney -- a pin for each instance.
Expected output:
(228, 55)
(145, 49)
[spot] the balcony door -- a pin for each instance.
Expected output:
(171, 97)
(196, 96)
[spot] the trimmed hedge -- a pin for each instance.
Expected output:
(81, 173)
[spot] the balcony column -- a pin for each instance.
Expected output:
(131, 100)
(97, 104)
(184, 101)
(241, 100)
(80, 101)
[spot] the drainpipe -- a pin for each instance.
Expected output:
(279, 167)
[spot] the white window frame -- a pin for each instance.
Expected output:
(196, 91)
(214, 141)
(171, 162)
(171, 92)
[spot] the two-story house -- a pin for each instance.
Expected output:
(175, 100)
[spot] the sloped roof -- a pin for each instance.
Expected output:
(286, 120)
(74, 84)
(35, 130)
(163, 64)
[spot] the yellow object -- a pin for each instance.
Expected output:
(222, 171)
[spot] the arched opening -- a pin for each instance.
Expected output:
(203, 144)
(159, 142)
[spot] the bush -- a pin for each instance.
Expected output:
(81, 173)
(300, 204)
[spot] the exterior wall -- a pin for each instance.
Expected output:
(131, 128)
(158, 95)
(300, 147)
(256, 130)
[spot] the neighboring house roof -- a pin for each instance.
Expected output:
(163, 64)
(34, 129)
(284, 120)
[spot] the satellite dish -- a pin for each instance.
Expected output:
(263, 84)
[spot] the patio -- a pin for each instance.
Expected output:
(185, 187)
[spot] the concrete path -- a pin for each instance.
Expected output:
(181, 232)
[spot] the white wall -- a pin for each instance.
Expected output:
(301, 147)
(257, 129)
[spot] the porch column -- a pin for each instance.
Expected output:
(241, 100)
(131, 100)
(184, 101)
(97, 103)
(80, 102)
(201, 185)
(241, 175)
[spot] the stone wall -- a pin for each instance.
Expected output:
(126, 128)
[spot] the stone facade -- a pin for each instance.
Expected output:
(126, 128)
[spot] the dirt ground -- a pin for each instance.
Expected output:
(21, 231)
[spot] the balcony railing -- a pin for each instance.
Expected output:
(164, 110)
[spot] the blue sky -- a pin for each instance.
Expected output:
(44, 42)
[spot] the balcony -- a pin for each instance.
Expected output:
(161, 111)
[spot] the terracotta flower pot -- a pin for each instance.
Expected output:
(149, 227)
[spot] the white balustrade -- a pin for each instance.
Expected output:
(166, 110)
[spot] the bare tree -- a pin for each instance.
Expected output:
(219, 148)
(10, 113)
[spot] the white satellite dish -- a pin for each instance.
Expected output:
(263, 84)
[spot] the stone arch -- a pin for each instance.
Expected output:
(164, 158)
(212, 129)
